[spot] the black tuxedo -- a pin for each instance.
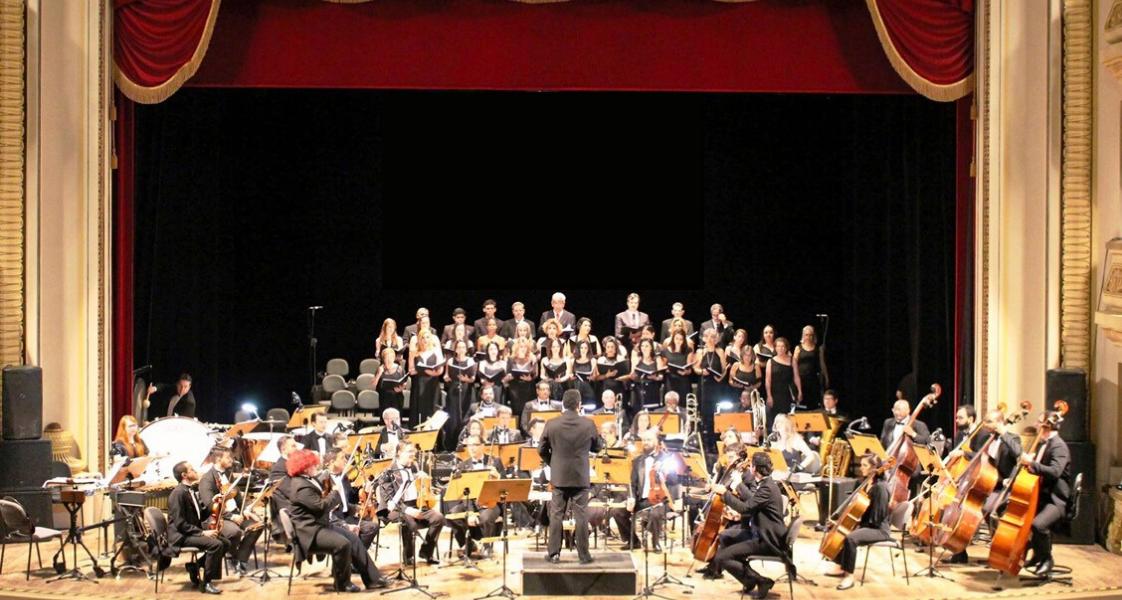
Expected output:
(488, 517)
(383, 438)
(1054, 469)
(310, 513)
(655, 517)
(567, 319)
(311, 441)
(183, 406)
(240, 540)
(510, 325)
(764, 510)
(186, 516)
(921, 438)
(665, 333)
(624, 319)
(528, 412)
(342, 518)
(279, 499)
(392, 506)
(565, 446)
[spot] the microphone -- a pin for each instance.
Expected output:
(296, 399)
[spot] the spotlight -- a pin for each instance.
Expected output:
(724, 406)
(250, 407)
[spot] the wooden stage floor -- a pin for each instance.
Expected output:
(1098, 574)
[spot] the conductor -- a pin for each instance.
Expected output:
(566, 445)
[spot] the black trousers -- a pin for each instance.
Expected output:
(731, 559)
(860, 537)
(654, 519)
(729, 536)
(487, 527)
(241, 542)
(597, 516)
(1046, 518)
(214, 548)
(430, 519)
(577, 498)
(360, 557)
(330, 541)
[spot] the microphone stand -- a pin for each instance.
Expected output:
(666, 578)
(648, 589)
(312, 344)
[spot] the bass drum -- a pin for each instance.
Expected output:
(175, 439)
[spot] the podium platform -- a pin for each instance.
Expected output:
(611, 574)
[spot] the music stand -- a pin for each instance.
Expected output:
(265, 574)
(778, 463)
(722, 422)
(864, 443)
(600, 419)
(611, 471)
(503, 492)
(808, 422)
(528, 459)
(506, 454)
(489, 423)
(425, 440)
(240, 429)
(545, 415)
(464, 487)
(931, 464)
(668, 423)
(303, 415)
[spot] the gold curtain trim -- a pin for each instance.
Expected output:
(159, 93)
(934, 91)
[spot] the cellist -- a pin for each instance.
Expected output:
(1053, 464)
(874, 522)
(896, 426)
(739, 529)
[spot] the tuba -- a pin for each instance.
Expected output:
(837, 459)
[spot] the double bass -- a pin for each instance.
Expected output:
(903, 453)
(1010, 539)
(712, 519)
(849, 515)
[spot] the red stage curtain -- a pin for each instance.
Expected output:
(930, 43)
(159, 44)
(123, 224)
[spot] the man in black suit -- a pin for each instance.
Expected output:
(459, 317)
(510, 326)
(540, 404)
(672, 404)
(411, 330)
(565, 446)
(240, 531)
(646, 470)
(392, 433)
(719, 323)
(897, 425)
(318, 440)
(764, 509)
(310, 512)
(398, 502)
(631, 318)
(677, 311)
(567, 319)
(344, 520)
(286, 444)
(182, 401)
(186, 515)
(489, 309)
(483, 523)
(1053, 464)
(610, 406)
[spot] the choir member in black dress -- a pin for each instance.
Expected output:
(558, 312)
(490, 335)
(584, 334)
(556, 367)
(736, 346)
(677, 313)
(648, 332)
(647, 374)
(510, 326)
(186, 516)
(523, 332)
(426, 366)
(521, 372)
(782, 381)
(744, 375)
(810, 358)
(459, 381)
(719, 323)
(679, 364)
(612, 369)
(710, 366)
(389, 380)
(389, 338)
(492, 371)
(677, 325)
(584, 364)
(459, 333)
(551, 332)
(490, 307)
(765, 348)
(874, 523)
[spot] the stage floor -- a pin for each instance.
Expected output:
(1098, 574)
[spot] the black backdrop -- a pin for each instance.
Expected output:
(254, 204)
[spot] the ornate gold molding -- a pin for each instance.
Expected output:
(982, 237)
(12, 98)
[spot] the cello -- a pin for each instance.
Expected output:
(712, 518)
(849, 515)
(1010, 538)
(904, 455)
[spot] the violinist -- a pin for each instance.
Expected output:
(874, 522)
(1053, 464)
(398, 502)
(478, 523)
(650, 489)
(344, 520)
(506, 430)
(187, 515)
(311, 507)
(239, 530)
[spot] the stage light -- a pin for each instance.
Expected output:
(724, 406)
(250, 407)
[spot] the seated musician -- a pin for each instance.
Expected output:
(673, 405)
(392, 433)
(641, 423)
(286, 445)
(830, 409)
(897, 425)
(187, 515)
(478, 524)
(532, 513)
(830, 403)
(506, 430)
(738, 529)
(474, 427)
(800, 458)
(310, 510)
(127, 443)
(397, 495)
(318, 440)
(604, 495)
(964, 419)
(541, 403)
(486, 406)
(763, 508)
(745, 404)
(650, 489)
(1052, 463)
(874, 523)
(344, 520)
(1003, 452)
(239, 530)
(610, 406)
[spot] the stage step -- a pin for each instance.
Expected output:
(612, 574)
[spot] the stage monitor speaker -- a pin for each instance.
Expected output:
(24, 463)
(1069, 385)
(36, 502)
(23, 403)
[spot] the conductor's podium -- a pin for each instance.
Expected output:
(612, 574)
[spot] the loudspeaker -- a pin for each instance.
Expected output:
(24, 463)
(36, 502)
(23, 403)
(1081, 530)
(1069, 385)
(843, 488)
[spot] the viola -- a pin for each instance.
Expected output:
(904, 454)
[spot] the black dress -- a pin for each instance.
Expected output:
(426, 388)
(744, 377)
(520, 392)
(675, 380)
(647, 387)
(493, 372)
(710, 390)
(603, 366)
(387, 397)
(810, 375)
(458, 398)
(582, 373)
(554, 371)
(783, 390)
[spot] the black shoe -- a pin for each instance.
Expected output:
(1044, 569)
(208, 588)
(433, 558)
(959, 559)
(193, 573)
(765, 587)
(378, 584)
(709, 574)
(633, 545)
(408, 562)
(241, 568)
(747, 588)
(1029, 564)
(350, 588)
(555, 559)
(587, 560)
